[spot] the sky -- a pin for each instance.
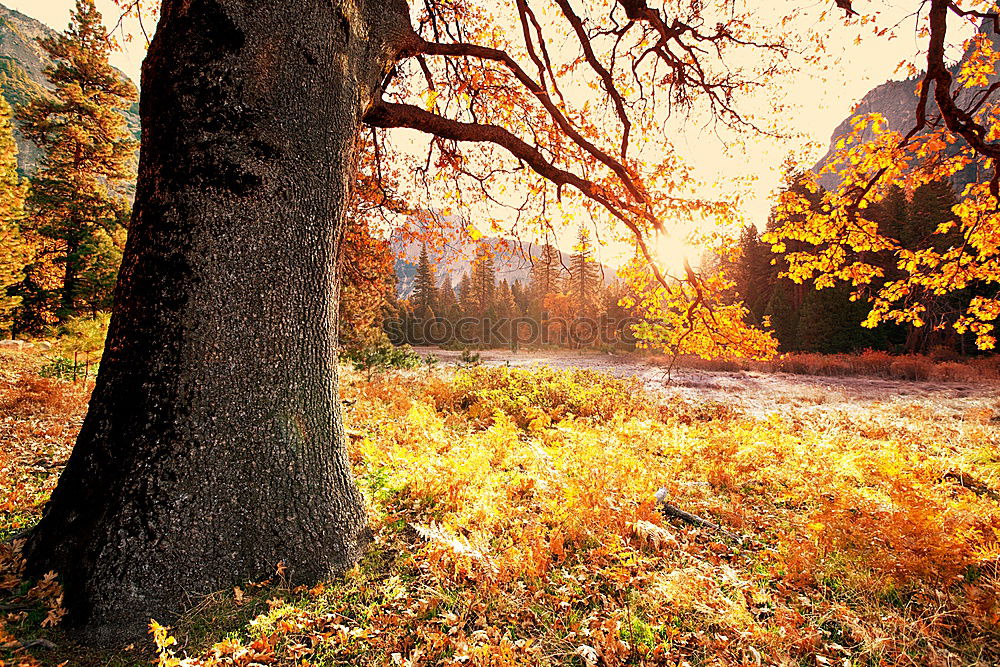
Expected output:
(55, 14)
(820, 99)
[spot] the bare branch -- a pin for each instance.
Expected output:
(628, 179)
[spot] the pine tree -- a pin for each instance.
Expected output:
(484, 277)
(584, 276)
(830, 323)
(465, 297)
(447, 301)
(77, 200)
(929, 208)
(520, 295)
(783, 312)
(891, 214)
(504, 305)
(425, 290)
(753, 274)
(13, 248)
(546, 273)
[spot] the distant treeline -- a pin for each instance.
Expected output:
(480, 310)
(802, 318)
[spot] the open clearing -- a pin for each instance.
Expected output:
(756, 393)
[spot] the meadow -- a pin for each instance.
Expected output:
(515, 522)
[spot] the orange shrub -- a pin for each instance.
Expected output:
(874, 362)
(951, 371)
(32, 395)
(915, 368)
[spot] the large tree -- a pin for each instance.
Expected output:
(546, 273)
(584, 279)
(484, 280)
(213, 450)
(425, 287)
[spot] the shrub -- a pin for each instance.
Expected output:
(469, 358)
(941, 353)
(31, 395)
(544, 395)
(986, 367)
(911, 368)
(875, 362)
(380, 357)
(64, 368)
(81, 339)
(950, 371)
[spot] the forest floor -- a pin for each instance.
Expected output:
(855, 522)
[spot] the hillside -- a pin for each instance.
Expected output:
(896, 101)
(22, 73)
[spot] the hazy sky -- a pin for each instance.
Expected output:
(55, 14)
(821, 99)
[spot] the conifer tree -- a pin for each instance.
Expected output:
(783, 312)
(465, 296)
(546, 273)
(829, 322)
(753, 274)
(520, 295)
(78, 200)
(13, 248)
(425, 290)
(483, 280)
(584, 276)
(930, 207)
(447, 301)
(504, 302)
(891, 214)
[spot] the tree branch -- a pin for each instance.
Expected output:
(390, 114)
(624, 174)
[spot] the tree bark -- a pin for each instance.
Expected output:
(213, 447)
(67, 294)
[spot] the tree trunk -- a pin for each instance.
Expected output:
(67, 295)
(213, 448)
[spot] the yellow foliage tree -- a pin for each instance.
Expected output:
(954, 133)
(13, 249)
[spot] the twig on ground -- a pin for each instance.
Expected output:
(969, 482)
(695, 520)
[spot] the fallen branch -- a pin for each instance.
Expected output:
(969, 482)
(694, 519)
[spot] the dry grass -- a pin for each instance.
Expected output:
(39, 419)
(515, 524)
(936, 366)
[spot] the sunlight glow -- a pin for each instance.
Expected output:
(672, 251)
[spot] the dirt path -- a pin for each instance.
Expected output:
(758, 392)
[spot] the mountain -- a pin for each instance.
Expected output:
(22, 74)
(513, 260)
(897, 102)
